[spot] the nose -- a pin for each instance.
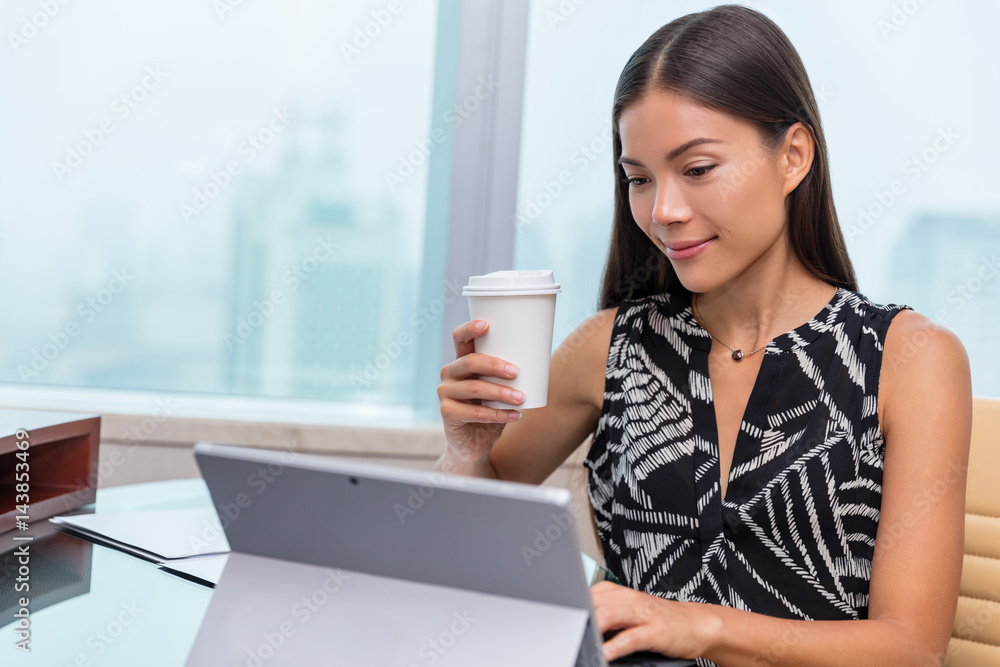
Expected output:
(670, 205)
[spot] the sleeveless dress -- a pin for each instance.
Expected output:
(795, 534)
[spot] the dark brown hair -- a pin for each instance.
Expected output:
(737, 61)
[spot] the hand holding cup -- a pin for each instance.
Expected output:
(502, 358)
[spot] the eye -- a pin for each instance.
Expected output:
(699, 172)
(635, 181)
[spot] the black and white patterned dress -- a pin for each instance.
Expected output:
(794, 536)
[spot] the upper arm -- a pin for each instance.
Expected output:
(532, 448)
(926, 395)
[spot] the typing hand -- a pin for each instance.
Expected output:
(633, 621)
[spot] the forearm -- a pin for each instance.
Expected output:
(449, 463)
(757, 640)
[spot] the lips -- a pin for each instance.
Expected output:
(687, 249)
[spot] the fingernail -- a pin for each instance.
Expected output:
(511, 369)
(518, 396)
(513, 415)
(480, 326)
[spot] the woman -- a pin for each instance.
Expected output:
(764, 435)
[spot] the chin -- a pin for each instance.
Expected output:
(692, 282)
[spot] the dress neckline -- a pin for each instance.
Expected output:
(794, 339)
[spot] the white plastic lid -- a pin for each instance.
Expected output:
(512, 283)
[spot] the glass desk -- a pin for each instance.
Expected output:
(95, 606)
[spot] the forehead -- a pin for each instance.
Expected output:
(664, 119)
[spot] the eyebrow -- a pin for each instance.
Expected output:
(677, 152)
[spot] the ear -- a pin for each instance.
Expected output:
(797, 153)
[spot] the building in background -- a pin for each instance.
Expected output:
(320, 280)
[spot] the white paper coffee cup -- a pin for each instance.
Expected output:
(520, 307)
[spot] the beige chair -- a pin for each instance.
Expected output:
(975, 640)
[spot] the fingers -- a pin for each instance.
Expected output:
(461, 391)
(456, 406)
(465, 334)
(616, 606)
(615, 611)
(469, 413)
(468, 362)
(475, 363)
(484, 390)
(626, 642)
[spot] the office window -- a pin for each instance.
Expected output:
(242, 200)
(215, 197)
(906, 92)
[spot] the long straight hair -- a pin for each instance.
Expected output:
(735, 60)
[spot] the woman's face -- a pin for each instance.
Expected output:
(704, 188)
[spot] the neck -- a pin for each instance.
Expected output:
(763, 302)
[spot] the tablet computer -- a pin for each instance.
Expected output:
(380, 565)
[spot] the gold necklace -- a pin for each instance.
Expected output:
(737, 355)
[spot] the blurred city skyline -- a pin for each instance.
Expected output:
(252, 223)
(252, 162)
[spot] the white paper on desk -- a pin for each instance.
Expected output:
(206, 569)
(160, 535)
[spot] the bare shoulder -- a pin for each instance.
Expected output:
(583, 355)
(914, 343)
(923, 363)
(589, 336)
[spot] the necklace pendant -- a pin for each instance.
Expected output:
(737, 355)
